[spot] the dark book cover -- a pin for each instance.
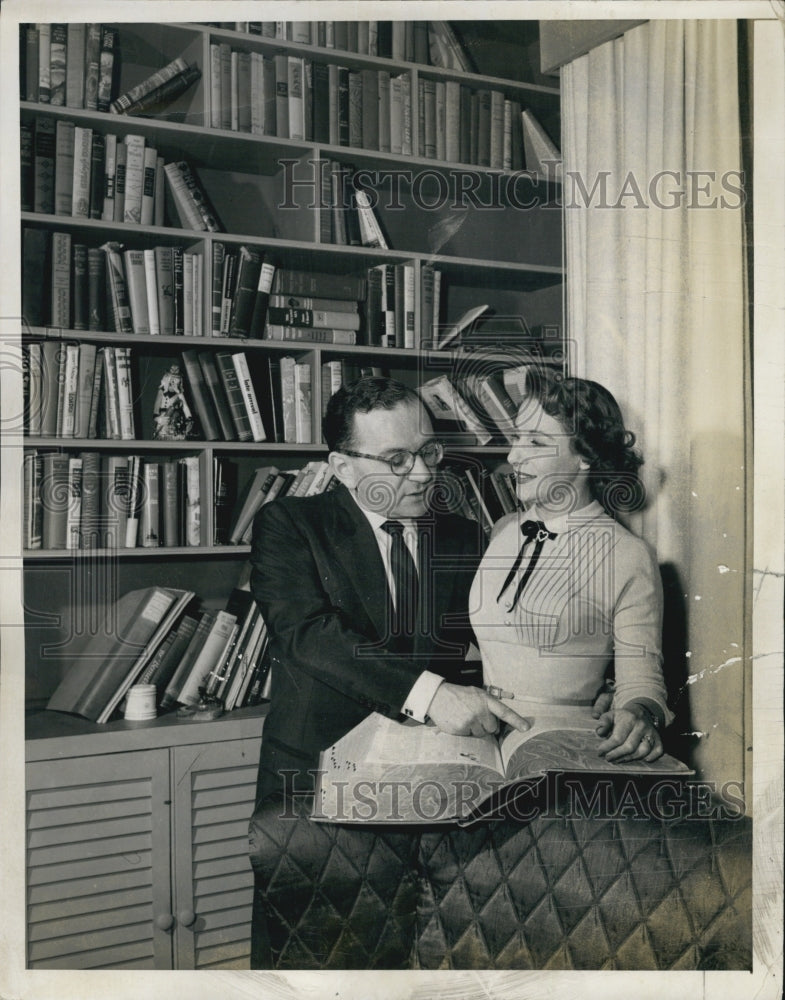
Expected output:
(44, 166)
(249, 267)
(217, 393)
(81, 303)
(36, 286)
(97, 157)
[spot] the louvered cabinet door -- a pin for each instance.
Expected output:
(98, 883)
(213, 794)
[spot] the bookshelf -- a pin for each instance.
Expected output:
(493, 233)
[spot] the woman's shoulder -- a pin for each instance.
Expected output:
(505, 525)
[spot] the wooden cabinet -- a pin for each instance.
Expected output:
(138, 858)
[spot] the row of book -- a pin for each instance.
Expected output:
(68, 64)
(76, 171)
(273, 403)
(96, 501)
(425, 42)
(291, 97)
(72, 286)
(78, 391)
(478, 493)
(163, 637)
(347, 216)
(481, 126)
(81, 391)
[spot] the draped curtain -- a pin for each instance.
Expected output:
(656, 311)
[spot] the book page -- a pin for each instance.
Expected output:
(425, 744)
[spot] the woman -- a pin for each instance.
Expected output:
(564, 588)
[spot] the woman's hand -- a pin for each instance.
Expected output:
(629, 735)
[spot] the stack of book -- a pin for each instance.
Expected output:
(79, 391)
(69, 65)
(159, 636)
(94, 500)
(314, 306)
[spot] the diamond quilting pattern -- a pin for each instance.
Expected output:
(589, 894)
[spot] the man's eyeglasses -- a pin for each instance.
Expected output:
(402, 462)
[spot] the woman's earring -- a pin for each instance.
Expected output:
(583, 465)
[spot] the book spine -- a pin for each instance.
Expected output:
(177, 273)
(30, 92)
(296, 109)
(215, 85)
(110, 167)
(90, 520)
(441, 120)
(75, 66)
(164, 272)
(150, 509)
(33, 508)
(64, 168)
(227, 291)
(288, 399)
(134, 178)
(170, 505)
(259, 314)
(217, 264)
(188, 294)
(281, 95)
(148, 185)
(97, 158)
(58, 44)
(121, 161)
(384, 110)
(198, 198)
(193, 501)
(124, 393)
(82, 173)
(55, 500)
(61, 280)
(106, 68)
(121, 307)
(95, 396)
(151, 292)
(44, 63)
(303, 413)
(172, 69)
(240, 363)
(92, 66)
(134, 501)
(214, 645)
(137, 290)
(408, 306)
(303, 317)
(69, 391)
(452, 121)
(289, 282)
(311, 334)
(44, 147)
(80, 289)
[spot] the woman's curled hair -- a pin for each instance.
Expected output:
(594, 422)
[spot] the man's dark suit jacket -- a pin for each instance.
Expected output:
(320, 583)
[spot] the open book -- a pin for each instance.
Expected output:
(403, 772)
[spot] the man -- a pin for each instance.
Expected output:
(365, 595)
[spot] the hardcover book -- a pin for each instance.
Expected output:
(391, 772)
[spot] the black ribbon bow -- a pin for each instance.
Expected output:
(531, 531)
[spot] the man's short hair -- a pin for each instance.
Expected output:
(361, 396)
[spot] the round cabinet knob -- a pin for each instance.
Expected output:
(186, 917)
(164, 921)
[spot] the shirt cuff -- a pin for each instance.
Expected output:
(421, 695)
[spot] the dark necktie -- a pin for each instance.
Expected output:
(405, 580)
(531, 530)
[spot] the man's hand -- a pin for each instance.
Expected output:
(469, 711)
